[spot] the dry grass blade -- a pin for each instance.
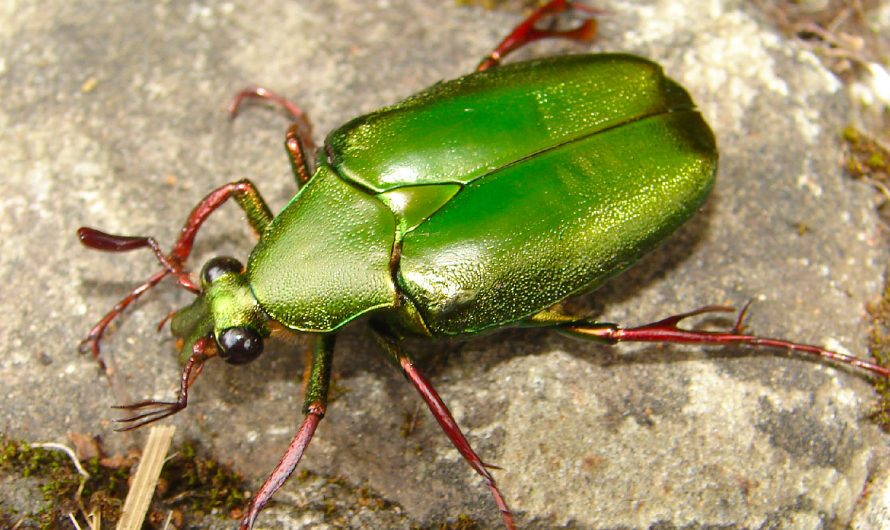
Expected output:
(138, 499)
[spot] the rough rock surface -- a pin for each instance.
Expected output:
(111, 115)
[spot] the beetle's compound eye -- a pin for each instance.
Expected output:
(239, 345)
(219, 266)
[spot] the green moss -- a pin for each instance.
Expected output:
(191, 485)
(102, 493)
(368, 499)
(516, 5)
(463, 522)
(200, 484)
(866, 159)
(879, 346)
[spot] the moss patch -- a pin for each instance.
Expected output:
(514, 5)
(191, 486)
(866, 159)
(879, 346)
(59, 481)
(193, 482)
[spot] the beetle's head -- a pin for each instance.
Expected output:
(226, 311)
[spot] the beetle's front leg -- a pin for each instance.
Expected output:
(315, 402)
(667, 330)
(245, 194)
(527, 32)
(440, 411)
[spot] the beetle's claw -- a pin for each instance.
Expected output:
(90, 344)
(739, 326)
(673, 321)
(162, 410)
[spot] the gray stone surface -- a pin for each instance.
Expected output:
(589, 437)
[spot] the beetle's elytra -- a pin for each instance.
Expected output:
(479, 203)
(431, 236)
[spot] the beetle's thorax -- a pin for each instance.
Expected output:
(325, 259)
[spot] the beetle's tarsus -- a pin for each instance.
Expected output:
(301, 120)
(527, 32)
(674, 320)
(162, 409)
(667, 330)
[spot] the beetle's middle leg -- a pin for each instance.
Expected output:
(440, 411)
(527, 32)
(667, 330)
(314, 405)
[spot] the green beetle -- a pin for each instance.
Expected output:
(479, 203)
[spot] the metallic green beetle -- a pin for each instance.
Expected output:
(476, 204)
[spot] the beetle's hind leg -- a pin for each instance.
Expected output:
(440, 411)
(314, 405)
(527, 31)
(667, 330)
